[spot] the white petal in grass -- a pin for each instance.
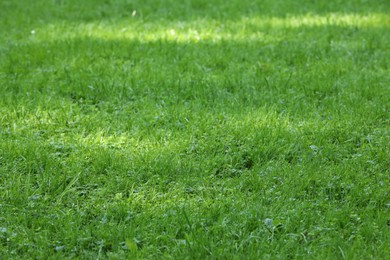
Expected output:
(59, 248)
(314, 148)
(134, 13)
(32, 32)
(181, 242)
(268, 223)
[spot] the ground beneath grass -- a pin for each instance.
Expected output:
(194, 129)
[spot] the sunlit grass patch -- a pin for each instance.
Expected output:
(249, 28)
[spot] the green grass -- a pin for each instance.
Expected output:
(194, 129)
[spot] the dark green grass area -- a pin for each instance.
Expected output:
(194, 129)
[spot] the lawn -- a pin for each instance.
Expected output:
(194, 129)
